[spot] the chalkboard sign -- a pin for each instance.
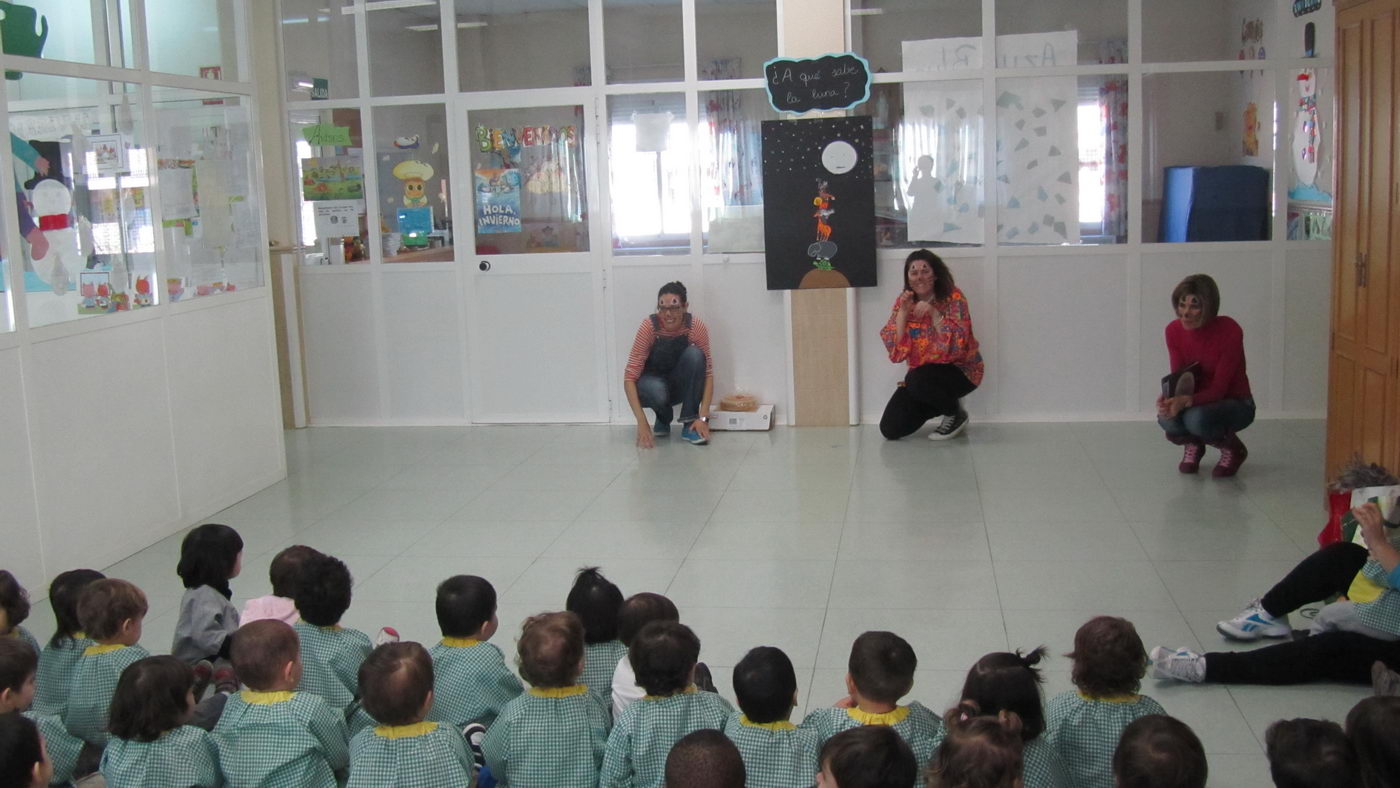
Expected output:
(828, 82)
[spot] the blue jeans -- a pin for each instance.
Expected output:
(1211, 422)
(684, 385)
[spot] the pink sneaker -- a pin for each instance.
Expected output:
(386, 635)
(1191, 457)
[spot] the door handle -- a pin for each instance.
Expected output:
(1360, 269)
(485, 265)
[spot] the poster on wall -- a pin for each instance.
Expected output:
(332, 178)
(819, 203)
(497, 200)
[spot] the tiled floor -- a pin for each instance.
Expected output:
(802, 538)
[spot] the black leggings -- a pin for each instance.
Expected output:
(1322, 575)
(929, 390)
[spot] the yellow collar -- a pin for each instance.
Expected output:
(103, 648)
(331, 628)
(1130, 697)
(884, 718)
(80, 635)
(558, 692)
(405, 731)
(776, 725)
(256, 698)
(691, 690)
(460, 642)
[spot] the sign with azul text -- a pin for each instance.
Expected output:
(827, 82)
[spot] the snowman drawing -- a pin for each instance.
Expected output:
(52, 203)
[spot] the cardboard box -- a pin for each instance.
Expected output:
(761, 419)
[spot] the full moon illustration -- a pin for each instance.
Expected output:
(839, 157)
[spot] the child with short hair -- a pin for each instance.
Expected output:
(24, 762)
(151, 743)
(868, 756)
(1084, 725)
(17, 667)
(775, 752)
(270, 734)
(637, 611)
(1157, 751)
(663, 655)
(14, 609)
(880, 671)
(110, 611)
(330, 654)
(555, 733)
(978, 750)
(397, 680)
(1371, 727)
(58, 662)
(707, 759)
(210, 556)
(1306, 753)
(285, 572)
(597, 602)
(1010, 681)
(473, 683)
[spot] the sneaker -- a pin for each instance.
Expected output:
(203, 674)
(1180, 665)
(1232, 456)
(225, 681)
(1191, 457)
(950, 427)
(661, 429)
(691, 435)
(1253, 623)
(386, 635)
(474, 733)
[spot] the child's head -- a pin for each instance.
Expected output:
(287, 567)
(14, 602)
(597, 602)
(63, 596)
(153, 695)
(1109, 658)
(663, 656)
(550, 651)
(466, 607)
(881, 668)
(705, 759)
(323, 593)
(1006, 681)
(869, 756)
(396, 682)
(1371, 727)
(978, 750)
(111, 610)
(266, 655)
(766, 685)
(23, 759)
(210, 555)
(1158, 751)
(640, 610)
(18, 662)
(1306, 753)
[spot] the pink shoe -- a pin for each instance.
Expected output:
(386, 635)
(1191, 457)
(1232, 456)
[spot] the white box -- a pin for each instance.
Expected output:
(760, 419)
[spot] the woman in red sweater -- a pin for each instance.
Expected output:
(1221, 404)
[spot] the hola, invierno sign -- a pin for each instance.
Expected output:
(827, 82)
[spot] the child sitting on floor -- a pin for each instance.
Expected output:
(111, 612)
(868, 756)
(1157, 751)
(472, 681)
(775, 752)
(1006, 681)
(17, 667)
(14, 609)
(1306, 753)
(58, 662)
(597, 602)
(151, 743)
(978, 750)
(210, 556)
(330, 654)
(397, 681)
(24, 763)
(285, 572)
(1371, 726)
(636, 612)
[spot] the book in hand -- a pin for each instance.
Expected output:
(1182, 382)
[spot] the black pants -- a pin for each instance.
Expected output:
(928, 391)
(1323, 574)
(1331, 656)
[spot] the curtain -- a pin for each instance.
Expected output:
(1113, 110)
(735, 166)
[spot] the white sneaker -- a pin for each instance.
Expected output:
(950, 426)
(1253, 623)
(1180, 665)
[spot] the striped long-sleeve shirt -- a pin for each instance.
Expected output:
(646, 337)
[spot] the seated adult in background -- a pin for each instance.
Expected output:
(1221, 405)
(931, 329)
(670, 365)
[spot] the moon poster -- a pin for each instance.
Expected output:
(818, 203)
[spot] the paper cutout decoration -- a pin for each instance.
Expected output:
(497, 200)
(415, 175)
(1250, 136)
(332, 178)
(23, 31)
(827, 82)
(326, 134)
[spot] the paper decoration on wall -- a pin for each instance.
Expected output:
(106, 155)
(326, 134)
(52, 204)
(415, 226)
(1250, 135)
(176, 191)
(338, 218)
(1310, 128)
(819, 203)
(1301, 7)
(652, 129)
(24, 32)
(333, 178)
(827, 82)
(415, 175)
(497, 200)
(407, 143)
(946, 190)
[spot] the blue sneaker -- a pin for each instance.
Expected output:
(1253, 623)
(661, 430)
(692, 436)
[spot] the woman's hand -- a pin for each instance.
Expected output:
(1372, 525)
(1162, 405)
(1176, 405)
(645, 440)
(922, 310)
(906, 300)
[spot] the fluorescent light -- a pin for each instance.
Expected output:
(381, 5)
(470, 25)
(867, 11)
(297, 20)
(421, 28)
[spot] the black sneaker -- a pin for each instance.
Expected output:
(950, 427)
(474, 733)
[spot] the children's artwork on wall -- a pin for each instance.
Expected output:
(24, 32)
(106, 155)
(497, 200)
(415, 176)
(1038, 162)
(1310, 128)
(52, 203)
(1250, 136)
(819, 203)
(415, 225)
(332, 178)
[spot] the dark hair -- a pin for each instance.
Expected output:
(20, 750)
(764, 683)
(104, 604)
(1306, 753)
(597, 601)
(395, 680)
(1371, 726)
(1109, 658)
(942, 277)
(550, 649)
(63, 597)
(17, 663)
(260, 651)
(1157, 751)
(869, 756)
(14, 600)
(152, 697)
(287, 568)
(323, 593)
(672, 287)
(640, 610)
(978, 750)
(882, 666)
(1006, 681)
(1202, 287)
(663, 656)
(464, 604)
(207, 556)
(705, 759)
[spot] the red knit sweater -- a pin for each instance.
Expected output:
(1218, 346)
